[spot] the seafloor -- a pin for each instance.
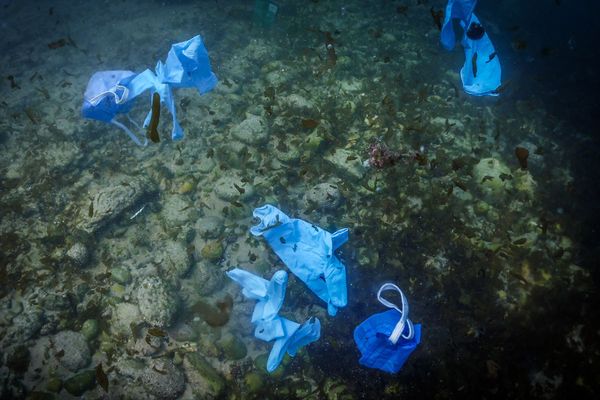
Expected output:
(493, 256)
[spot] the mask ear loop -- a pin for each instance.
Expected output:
(129, 132)
(404, 321)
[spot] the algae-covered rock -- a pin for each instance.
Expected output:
(175, 259)
(72, 350)
(231, 187)
(123, 316)
(109, 202)
(233, 347)
(210, 227)
(524, 183)
(120, 275)
(492, 177)
(79, 254)
(89, 329)
(37, 395)
(212, 251)
(253, 382)
(54, 385)
(211, 380)
(80, 383)
(261, 364)
(347, 164)
(185, 187)
(324, 196)
(253, 130)
(336, 390)
(163, 380)
(156, 301)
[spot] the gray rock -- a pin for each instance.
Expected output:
(184, 333)
(233, 347)
(79, 254)
(156, 302)
(89, 329)
(298, 102)
(163, 380)
(109, 202)
(25, 325)
(120, 275)
(210, 227)
(175, 260)
(74, 349)
(325, 196)
(211, 382)
(80, 383)
(253, 130)
(225, 188)
(176, 210)
(123, 315)
(347, 164)
(205, 165)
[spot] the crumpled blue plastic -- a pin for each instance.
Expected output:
(488, 78)
(289, 336)
(110, 93)
(308, 251)
(386, 340)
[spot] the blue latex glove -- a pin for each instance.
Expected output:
(289, 336)
(270, 296)
(481, 73)
(295, 337)
(307, 251)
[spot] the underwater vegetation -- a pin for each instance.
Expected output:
(113, 257)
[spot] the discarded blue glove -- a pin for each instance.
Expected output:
(307, 251)
(289, 336)
(110, 93)
(270, 295)
(385, 340)
(481, 73)
(295, 337)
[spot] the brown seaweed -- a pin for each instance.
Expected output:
(13, 83)
(58, 44)
(522, 154)
(101, 377)
(214, 315)
(239, 189)
(157, 332)
(154, 118)
(309, 123)
(437, 16)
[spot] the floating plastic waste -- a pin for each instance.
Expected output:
(110, 93)
(308, 251)
(386, 339)
(289, 336)
(481, 73)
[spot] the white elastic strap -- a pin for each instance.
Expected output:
(399, 328)
(118, 99)
(129, 133)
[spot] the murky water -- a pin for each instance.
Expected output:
(113, 256)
